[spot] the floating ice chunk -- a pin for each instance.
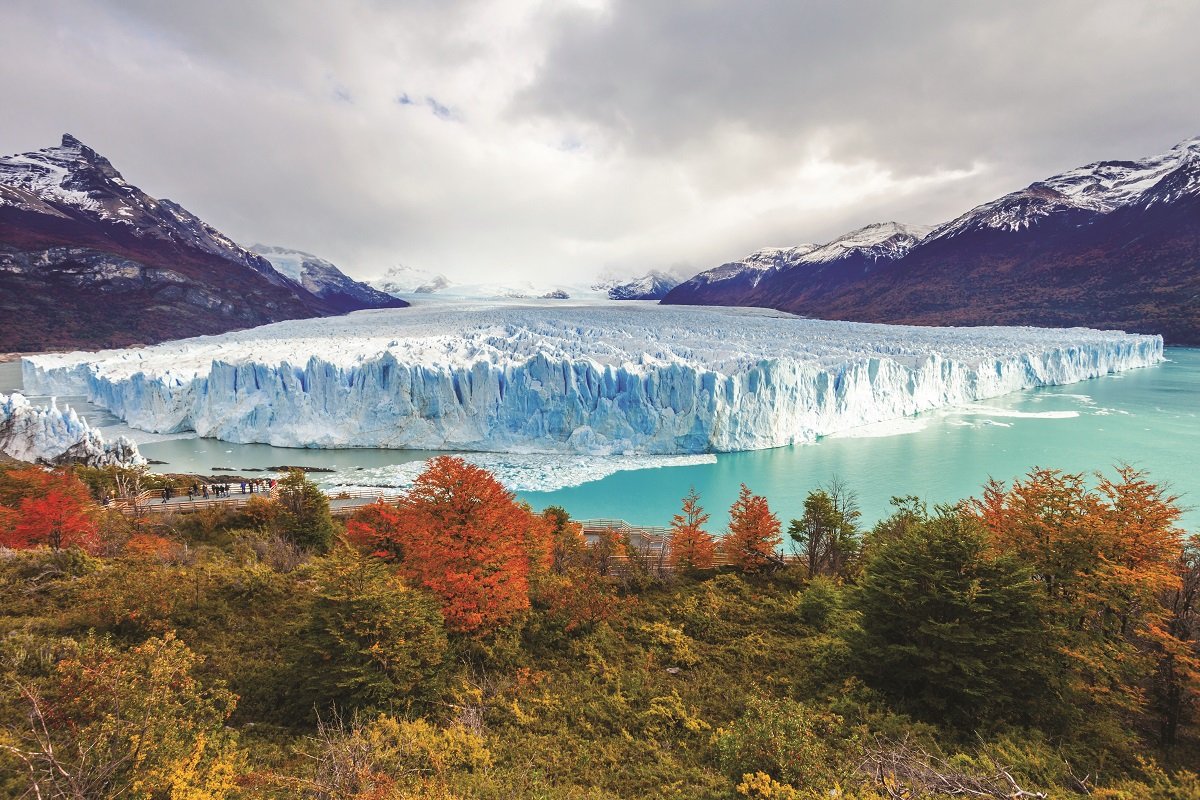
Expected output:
(518, 473)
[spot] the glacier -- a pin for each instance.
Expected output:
(556, 377)
(52, 435)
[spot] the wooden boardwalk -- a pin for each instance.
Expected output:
(341, 504)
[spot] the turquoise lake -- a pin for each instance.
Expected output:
(1147, 418)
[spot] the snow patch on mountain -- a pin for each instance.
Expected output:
(607, 379)
(52, 435)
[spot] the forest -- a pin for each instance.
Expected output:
(1039, 640)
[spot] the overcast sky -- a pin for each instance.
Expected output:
(560, 139)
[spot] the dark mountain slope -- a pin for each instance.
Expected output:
(1115, 244)
(88, 260)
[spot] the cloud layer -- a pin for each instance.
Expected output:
(544, 140)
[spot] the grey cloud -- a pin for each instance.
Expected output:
(633, 135)
(914, 85)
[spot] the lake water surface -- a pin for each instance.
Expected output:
(1147, 418)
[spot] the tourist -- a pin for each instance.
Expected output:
(166, 494)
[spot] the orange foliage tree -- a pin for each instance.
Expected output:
(754, 533)
(1105, 557)
(569, 547)
(51, 508)
(378, 529)
(691, 546)
(463, 536)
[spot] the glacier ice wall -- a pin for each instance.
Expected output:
(48, 434)
(586, 379)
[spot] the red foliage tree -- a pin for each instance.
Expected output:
(461, 535)
(580, 598)
(754, 533)
(51, 508)
(691, 546)
(377, 529)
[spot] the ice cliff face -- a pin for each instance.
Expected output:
(48, 434)
(529, 378)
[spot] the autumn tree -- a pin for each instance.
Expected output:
(47, 507)
(304, 516)
(1175, 692)
(463, 536)
(754, 533)
(827, 535)
(580, 598)
(369, 640)
(1104, 558)
(691, 547)
(377, 529)
(569, 547)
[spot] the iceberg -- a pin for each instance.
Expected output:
(638, 378)
(50, 435)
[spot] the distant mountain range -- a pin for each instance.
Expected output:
(1114, 244)
(406, 282)
(89, 260)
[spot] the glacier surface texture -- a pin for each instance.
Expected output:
(550, 378)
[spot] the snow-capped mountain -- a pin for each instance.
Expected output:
(740, 282)
(654, 285)
(1099, 188)
(73, 180)
(89, 259)
(1110, 244)
(325, 280)
(402, 281)
(886, 241)
(731, 283)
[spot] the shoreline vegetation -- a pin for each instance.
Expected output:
(1038, 640)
